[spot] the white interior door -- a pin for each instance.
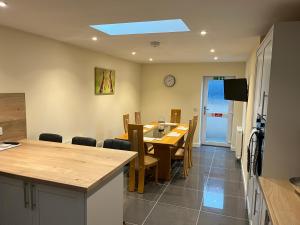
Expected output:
(217, 113)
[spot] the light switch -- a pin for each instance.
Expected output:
(1, 131)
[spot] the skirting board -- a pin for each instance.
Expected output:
(196, 145)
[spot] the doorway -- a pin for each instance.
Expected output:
(217, 113)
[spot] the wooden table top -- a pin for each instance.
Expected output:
(65, 165)
(282, 201)
(165, 140)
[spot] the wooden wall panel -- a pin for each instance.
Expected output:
(13, 116)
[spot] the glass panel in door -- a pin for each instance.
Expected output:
(217, 114)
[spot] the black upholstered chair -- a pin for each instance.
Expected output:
(84, 141)
(116, 144)
(51, 137)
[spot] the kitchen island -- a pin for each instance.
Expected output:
(43, 183)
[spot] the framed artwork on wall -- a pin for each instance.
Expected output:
(104, 81)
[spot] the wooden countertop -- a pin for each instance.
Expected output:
(165, 140)
(282, 201)
(70, 166)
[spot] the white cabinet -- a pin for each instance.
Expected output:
(29, 203)
(14, 202)
(24, 203)
(264, 218)
(257, 204)
(263, 72)
(257, 209)
(51, 206)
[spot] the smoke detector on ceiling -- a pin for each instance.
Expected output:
(155, 44)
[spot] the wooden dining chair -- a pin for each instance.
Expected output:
(175, 115)
(182, 153)
(195, 122)
(142, 162)
(126, 122)
(138, 120)
(137, 116)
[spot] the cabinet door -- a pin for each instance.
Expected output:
(257, 99)
(266, 78)
(14, 202)
(52, 206)
(257, 204)
(264, 218)
(250, 195)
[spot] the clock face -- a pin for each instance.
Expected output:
(169, 80)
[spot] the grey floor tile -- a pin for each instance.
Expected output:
(136, 210)
(228, 163)
(207, 148)
(182, 197)
(214, 219)
(227, 174)
(202, 160)
(191, 181)
(197, 170)
(219, 203)
(151, 192)
(171, 215)
(225, 187)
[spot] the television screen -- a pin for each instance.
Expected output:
(236, 89)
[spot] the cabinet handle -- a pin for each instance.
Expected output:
(33, 197)
(267, 218)
(26, 196)
(254, 207)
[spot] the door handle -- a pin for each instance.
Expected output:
(33, 196)
(26, 195)
(205, 109)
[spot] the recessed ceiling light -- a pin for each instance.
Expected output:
(144, 27)
(203, 33)
(216, 58)
(94, 38)
(133, 53)
(150, 59)
(212, 50)
(3, 4)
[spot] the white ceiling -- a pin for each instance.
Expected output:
(233, 26)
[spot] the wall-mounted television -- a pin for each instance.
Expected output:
(236, 89)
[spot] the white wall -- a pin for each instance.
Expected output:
(58, 80)
(249, 107)
(157, 100)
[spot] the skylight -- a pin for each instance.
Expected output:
(146, 27)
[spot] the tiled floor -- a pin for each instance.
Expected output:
(212, 194)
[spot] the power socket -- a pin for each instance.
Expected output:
(1, 131)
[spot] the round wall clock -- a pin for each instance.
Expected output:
(169, 80)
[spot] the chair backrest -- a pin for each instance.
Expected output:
(84, 141)
(194, 123)
(116, 144)
(50, 137)
(138, 119)
(175, 115)
(136, 139)
(189, 138)
(126, 122)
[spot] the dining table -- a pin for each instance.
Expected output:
(164, 137)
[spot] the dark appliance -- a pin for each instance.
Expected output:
(236, 89)
(256, 148)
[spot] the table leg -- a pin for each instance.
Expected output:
(163, 153)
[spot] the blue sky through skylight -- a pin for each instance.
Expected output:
(146, 27)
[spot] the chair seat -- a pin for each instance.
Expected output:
(179, 153)
(150, 161)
